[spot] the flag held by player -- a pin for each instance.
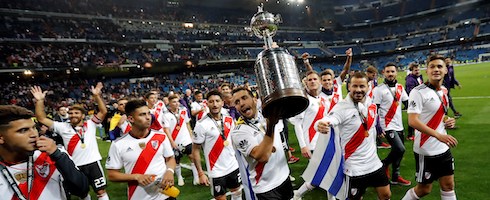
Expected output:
(325, 168)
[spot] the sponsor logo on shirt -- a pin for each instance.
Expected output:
(243, 144)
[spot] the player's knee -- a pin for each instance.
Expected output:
(422, 190)
(447, 186)
(236, 192)
(220, 197)
(385, 195)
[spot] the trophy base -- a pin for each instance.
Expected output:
(285, 103)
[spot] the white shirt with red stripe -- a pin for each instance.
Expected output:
(125, 151)
(263, 176)
(177, 125)
(80, 156)
(360, 152)
(337, 86)
(158, 110)
(390, 113)
(46, 177)
(220, 159)
(305, 121)
(198, 106)
(425, 102)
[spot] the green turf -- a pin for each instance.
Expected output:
(471, 155)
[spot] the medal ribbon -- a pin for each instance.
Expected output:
(80, 136)
(219, 144)
(180, 121)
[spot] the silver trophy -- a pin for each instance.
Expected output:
(277, 75)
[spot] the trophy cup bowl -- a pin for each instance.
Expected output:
(278, 79)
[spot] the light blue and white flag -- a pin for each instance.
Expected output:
(245, 174)
(325, 168)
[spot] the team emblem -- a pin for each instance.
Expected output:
(43, 170)
(392, 135)
(142, 145)
(353, 191)
(427, 175)
(154, 144)
(217, 188)
(371, 112)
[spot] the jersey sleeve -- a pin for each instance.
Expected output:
(243, 141)
(415, 102)
(377, 95)
(335, 116)
(404, 95)
(187, 119)
(298, 128)
(166, 121)
(198, 136)
(95, 119)
(114, 158)
(195, 106)
(167, 148)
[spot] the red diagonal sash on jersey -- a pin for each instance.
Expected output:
(359, 136)
(435, 121)
(334, 101)
(127, 129)
(319, 115)
(144, 160)
(176, 130)
(200, 114)
(43, 170)
(259, 169)
(394, 105)
(218, 145)
(155, 125)
(335, 86)
(75, 139)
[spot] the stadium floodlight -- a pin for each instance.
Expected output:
(301, 1)
(28, 72)
(461, 39)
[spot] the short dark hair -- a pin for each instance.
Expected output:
(326, 72)
(214, 92)
(360, 75)
(197, 92)
(225, 85)
(238, 89)
(148, 94)
(435, 57)
(132, 105)
(10, 113)
(389, 65)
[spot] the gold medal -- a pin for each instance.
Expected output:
(177, 128)
(83, 145)
(142, 145)
(445, 118)
(366, 134)
(226, 143)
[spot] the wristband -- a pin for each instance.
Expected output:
(171, 170)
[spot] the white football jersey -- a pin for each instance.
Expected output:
(425, 102)
(125, 151)
(359, 146)
(263, 176)
(51, 181)
(305, 121)
(219, 155)
(82, 154)
(390, 114)
(198, 106)
(158, 111)
(177, 125)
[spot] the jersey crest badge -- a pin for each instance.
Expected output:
(43, 170)
(154, 144)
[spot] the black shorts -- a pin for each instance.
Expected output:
(282, 192)
(185, 150)
(230, 181)
(95, 175)
(358, 184)
(430, 168)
